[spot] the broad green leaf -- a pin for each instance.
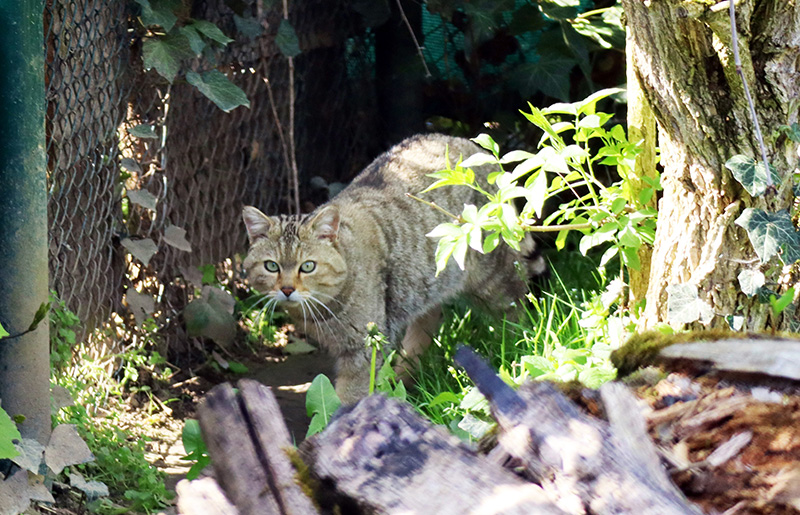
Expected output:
(781, 303)
(210, 31)
(602, 235)
(490, 242)
(166, 53)
(286, 39)
(532, 163)
(478, 159)
(606, 30)
(219, 89)
(208, 318)
(549, 75)
(537, 193)
(487, 142)
(594, 377)
(684, 306)
(196, 42)
(445, 229)
(142, 250)
(143, 131)
(515, 156)
(444, 397)
(321, 403)
(537, 118)
(560, 9)
(8, 433)
(160, 14)
(249, 26)
(475, 427)
(237, 368)
(460, 251)
(130, 164)
(750, 281)
(3, 334)
(192, 437)
(767, 231)
(751, 175)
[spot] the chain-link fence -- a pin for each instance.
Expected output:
(202, 164)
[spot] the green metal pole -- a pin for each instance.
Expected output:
(24, 360)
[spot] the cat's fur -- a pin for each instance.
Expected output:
(373, 262)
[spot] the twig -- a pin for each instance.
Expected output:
(414, 37)
(737, 61)
(292, 147)
(435, 206)
(556, 228)
(281, 135)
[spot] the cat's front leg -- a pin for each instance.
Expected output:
(352, 375)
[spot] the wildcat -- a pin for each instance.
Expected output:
(363, 257)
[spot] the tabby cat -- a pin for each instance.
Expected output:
(364, 257)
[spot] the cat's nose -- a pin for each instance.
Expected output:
(287, 290)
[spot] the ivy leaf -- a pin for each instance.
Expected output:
(8, 433)
(750, 281)
(249, 27)
(560, 9)
(143, 131)
(751, 175)
(131, 165)
(196, 42)
(321, 403)
(684, 306)
(143, 198)
(142, 250)
(166, 53)
(219, 89)
(767, 231)
(160, 15)
(140, 304)
(550, 75)
(286, 39)
(176, 236)
(210, 31)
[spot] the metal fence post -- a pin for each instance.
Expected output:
(24, 360)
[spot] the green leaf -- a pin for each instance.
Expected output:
(160, 14)
(560, 9)
(751, 175)
(751, 281)
(44, 308)
(478, 159)
(237, 368)
(780, 304)
(192, 437)
(166, 53)
(684, 305)
(219, 89)
(594, 377)
(196, 42)
(321, 403)
(767, 231)
(444, 397)
(286, 39)
(793, 132)
(3, 334)
(249, 27)
(549, 75)
(487, 142)
(210, 31)
(143, 131)
(208, 318)
(8, 433)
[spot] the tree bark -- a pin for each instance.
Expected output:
(684, 63)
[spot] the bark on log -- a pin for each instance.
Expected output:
(248, 441)
(586, 464)
(383, 456)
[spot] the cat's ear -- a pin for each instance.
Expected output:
(325, 224)
(258, 224)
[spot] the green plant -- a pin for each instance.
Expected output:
(64, 325)
(321, 403)
(195, 447)
(573, 144)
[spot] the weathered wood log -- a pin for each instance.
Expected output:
(203, 496)
(585, 464)
(385, 458)
(777, 358)
(248, 444)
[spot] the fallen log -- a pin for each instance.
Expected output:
(382, 457)
(249, 444)
(585, 464)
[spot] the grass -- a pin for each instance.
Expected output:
(563, 333)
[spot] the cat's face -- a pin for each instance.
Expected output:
(294, 260)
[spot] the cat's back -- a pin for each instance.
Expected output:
(405, 167)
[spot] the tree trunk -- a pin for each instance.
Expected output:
(684, 62)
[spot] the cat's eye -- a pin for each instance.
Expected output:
(271, 266)
(308, 266)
